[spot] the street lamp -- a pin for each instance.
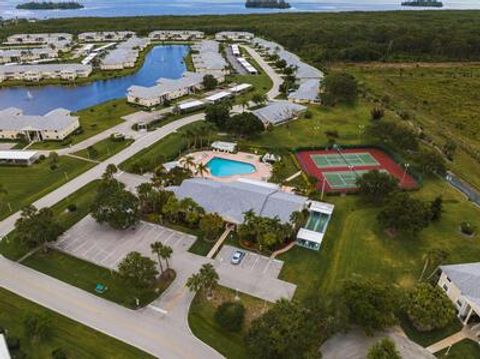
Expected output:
(405, 172)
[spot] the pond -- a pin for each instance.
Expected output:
(161, 61)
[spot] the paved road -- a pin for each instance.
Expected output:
(96, 172)
(464, 187)
(276, 78)
(164, 335)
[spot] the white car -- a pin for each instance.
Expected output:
(237, 257)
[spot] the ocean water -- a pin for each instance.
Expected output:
(109, 8)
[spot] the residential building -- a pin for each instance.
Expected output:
(219, 97)
(18, 158)
(232, 199)
(39, 72)
(234, 36)
(461, 283)
(278, 112)
(29, 39)
(247, 66)
(125, 54)
(206, 58)
(105, 36)
(19, 55)
(176, 35)
(4, 352)
(307, 92)
(54, 126)
(165, 90)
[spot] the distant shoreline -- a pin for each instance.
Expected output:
(49, 5)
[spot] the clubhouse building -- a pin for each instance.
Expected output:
(54, 126)
(232, 199)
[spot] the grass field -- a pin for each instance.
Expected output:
(25, 185)
(441, 98)
(93, 120)
(75, 339)
(103, 149)
(203, 325)
(465, 349)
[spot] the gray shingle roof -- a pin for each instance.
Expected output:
(308, 90)
(466, 277)
(278, 111)
(13, 119)
(231, 200)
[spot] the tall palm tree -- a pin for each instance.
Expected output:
(166, 253)
(194, 282)
(209, 278)
(202, 169)
(156, 248)
(188, 162)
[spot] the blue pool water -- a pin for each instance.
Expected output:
(221, 167)
(161, 61)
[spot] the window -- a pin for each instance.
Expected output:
(448, 279)
(445, 288)
(459, 303)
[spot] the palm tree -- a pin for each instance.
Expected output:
(166, 253)
(202, 169)
(188, 162)
(209, 278)
(195, 282)
(433, 259)
(244, 104)
(299, 218)
(157, 249)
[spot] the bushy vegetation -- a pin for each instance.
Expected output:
(384, 349)
(230, 316)
(326, 37)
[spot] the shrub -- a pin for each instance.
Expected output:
(59, 354)
(384, 349)
(467, 228)
(377, 113)
(72, 207)
(308, 114)
(428, 308)
(230, 316)
(13, 343)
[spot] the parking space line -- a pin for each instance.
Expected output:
(255, 263)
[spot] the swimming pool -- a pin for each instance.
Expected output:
(222, 167)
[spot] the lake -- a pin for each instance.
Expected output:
(161, 61)
(108, 8)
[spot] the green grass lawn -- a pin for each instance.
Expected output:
(93, 120)
(466, 349)
(86, 276)
(25, 185)
(428, 338)
(104, 149)
(75, 339)
(203, 325)
(354, 245)
(441, 98)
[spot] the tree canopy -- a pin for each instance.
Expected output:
(209, 82)
(376, 186)
(140, 270)
(429, 308)
(339, 87)
(218, 114)
(244, 124)
(288, 330)
(384, 349)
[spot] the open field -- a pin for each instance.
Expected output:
(203, 325)
(443, 100)
(76, 340)
(25, 185)
(93, 120)
(354, 245)
(104, 149)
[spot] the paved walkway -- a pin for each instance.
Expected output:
(465, 333)
(147, 139)
(276, 78)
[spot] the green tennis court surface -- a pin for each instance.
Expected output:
(343, 179)
(344, 160)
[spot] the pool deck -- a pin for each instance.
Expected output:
(263, 171)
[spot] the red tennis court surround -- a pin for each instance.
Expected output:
(327, 165)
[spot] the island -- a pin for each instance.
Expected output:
(423, 3)
(268, 4)
(49, 5)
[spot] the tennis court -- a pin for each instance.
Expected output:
(342, 159)
(343, 179)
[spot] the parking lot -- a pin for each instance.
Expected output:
(251, 261)
(102, 245)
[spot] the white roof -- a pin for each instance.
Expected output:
(17, 155)
(13, 119)
(4, 353)
(190, 104)
(310, 236)
(321, 207)
(224, 146)
(240, 87)
(278, 112)
(218, 96)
